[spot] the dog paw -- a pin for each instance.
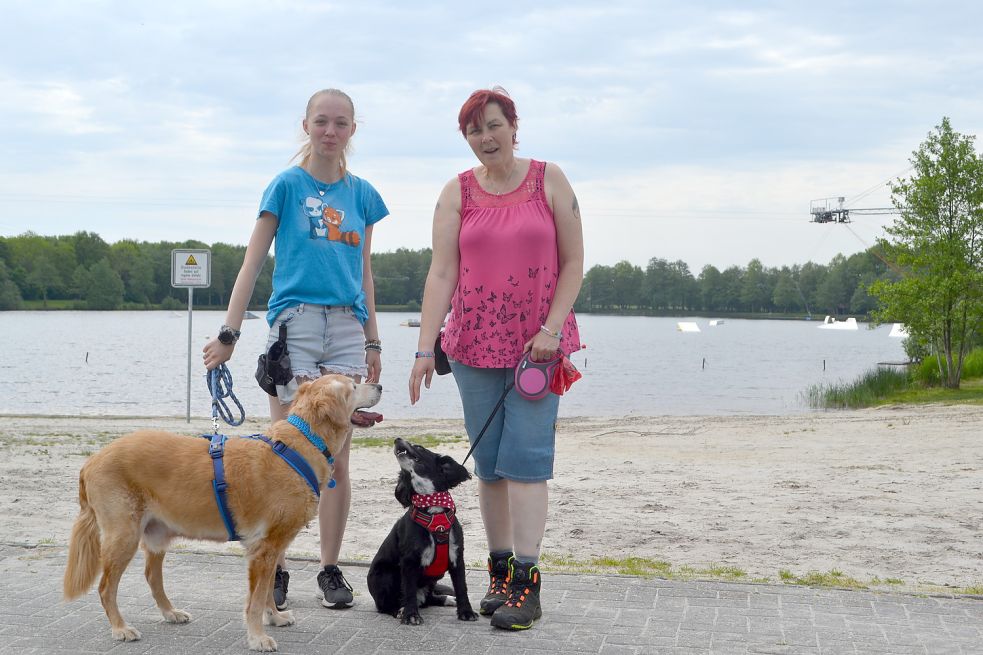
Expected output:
(126, 633)
(466, 615)
(262, 643)
(411, 619)
(176, 616)
(278, 619)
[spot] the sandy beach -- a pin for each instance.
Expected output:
(894, 493)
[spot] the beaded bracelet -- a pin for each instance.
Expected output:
(373, 342)
(546, 330)
(424, 353)
(374, 346)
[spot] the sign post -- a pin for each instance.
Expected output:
(191, 268)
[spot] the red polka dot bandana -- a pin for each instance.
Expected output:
(437, 499)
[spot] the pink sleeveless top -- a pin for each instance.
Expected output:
(507, 275)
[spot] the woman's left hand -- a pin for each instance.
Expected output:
(373, 361)
(542, 346)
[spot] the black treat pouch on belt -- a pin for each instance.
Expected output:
(273, 366)
(440, 364)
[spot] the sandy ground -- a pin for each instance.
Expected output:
(892, 493)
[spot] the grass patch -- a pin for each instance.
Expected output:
(888, 386)
(642, 567)
(927, 371)
(873, 386)
(970, 392)
(430, 441)
(832, 578)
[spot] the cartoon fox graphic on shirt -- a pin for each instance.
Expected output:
(325, 222)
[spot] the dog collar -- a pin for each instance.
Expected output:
(438, 499)
(438, 524)
(305, 429)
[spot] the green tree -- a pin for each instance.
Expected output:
(131, 261)
(731, 281)
(711, 288)
(683, 290)
(655, 285)
(80, 281)
(755, 290)
(785, 296)
(105, 290)
(626, 281)
(44, 278)
(9, 293)
(89, 248)
(834, 291)
(810, 277)
(938, 241)
(598, 288)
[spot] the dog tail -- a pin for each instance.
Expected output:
(83, 549)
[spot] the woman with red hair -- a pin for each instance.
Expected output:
(508, 258)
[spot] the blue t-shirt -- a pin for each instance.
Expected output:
(318, 247)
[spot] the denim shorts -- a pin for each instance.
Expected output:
(320, 339)
(519, 444)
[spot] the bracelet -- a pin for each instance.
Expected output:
(546, 330)
(374, 346)
(373, 342)
(424, 353)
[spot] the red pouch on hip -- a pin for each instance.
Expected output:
(532, 378)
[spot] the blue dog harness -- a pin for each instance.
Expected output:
(216, 450)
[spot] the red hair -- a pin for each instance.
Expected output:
(474, 108)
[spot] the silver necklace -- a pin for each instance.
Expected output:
(515, 164)
(317, 185)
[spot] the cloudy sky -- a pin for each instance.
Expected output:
(697, 131)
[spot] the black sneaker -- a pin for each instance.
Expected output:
(498, 576)
(335, 590)
(280, 581)
(521, 608)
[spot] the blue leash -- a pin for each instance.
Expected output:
(219, 383)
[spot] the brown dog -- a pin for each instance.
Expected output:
(151, 486)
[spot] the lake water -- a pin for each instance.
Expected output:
(135, 363)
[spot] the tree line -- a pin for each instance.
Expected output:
(82, 271)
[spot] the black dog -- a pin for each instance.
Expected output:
(425, 542)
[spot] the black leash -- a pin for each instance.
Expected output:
(498, 406)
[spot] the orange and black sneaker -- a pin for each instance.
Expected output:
(498, 584)
(522, 607)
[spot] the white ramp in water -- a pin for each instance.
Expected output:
(830, 323)
(899, 331)
(687, 326)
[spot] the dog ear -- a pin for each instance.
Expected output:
(404, 489)
(303, 390)
(328, 402)
(453, 472)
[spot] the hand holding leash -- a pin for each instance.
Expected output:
(542, 346)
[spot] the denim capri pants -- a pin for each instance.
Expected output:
(320, 339)
(519, 444)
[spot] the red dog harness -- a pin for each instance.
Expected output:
(438, 525)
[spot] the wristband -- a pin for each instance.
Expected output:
(424, 353)
(546, 330)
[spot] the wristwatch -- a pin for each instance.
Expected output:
(228, 335)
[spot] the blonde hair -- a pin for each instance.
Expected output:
(305, 150)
